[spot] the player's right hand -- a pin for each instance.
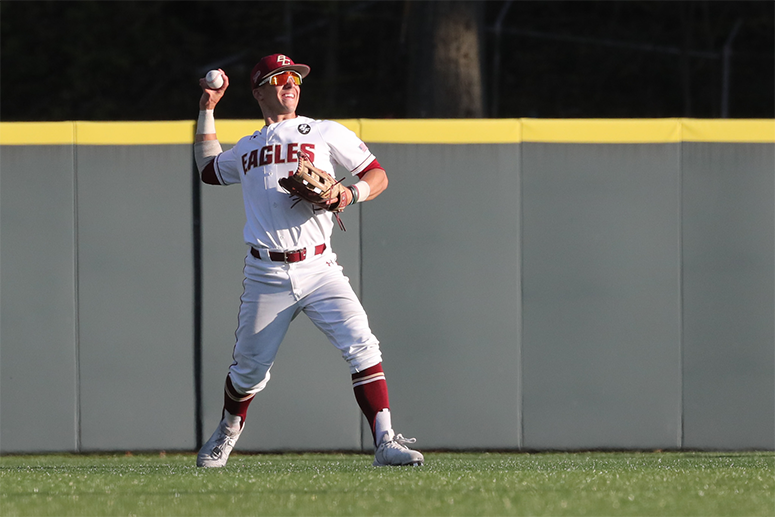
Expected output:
(211, 97)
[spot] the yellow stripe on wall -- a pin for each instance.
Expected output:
(728, 130)
(441, 131)
(601, 131)
(37, 133)
(230, 131)
(134, 133)
(405, 131)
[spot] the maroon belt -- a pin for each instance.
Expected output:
(288, 256)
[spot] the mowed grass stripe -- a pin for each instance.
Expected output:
(594, 483)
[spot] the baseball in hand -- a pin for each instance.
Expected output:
(214, 79)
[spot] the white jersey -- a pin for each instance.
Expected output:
(260, 160)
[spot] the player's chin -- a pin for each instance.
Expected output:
(290, 105)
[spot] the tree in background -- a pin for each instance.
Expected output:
(140, 60)
(445, 59)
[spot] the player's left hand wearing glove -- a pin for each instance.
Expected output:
(318, 187)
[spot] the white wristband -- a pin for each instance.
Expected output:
(363, 191)
(205, 124)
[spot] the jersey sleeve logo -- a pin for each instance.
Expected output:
(304, 129)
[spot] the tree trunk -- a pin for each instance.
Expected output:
(443, 48)
(332, 57)
(457, 90)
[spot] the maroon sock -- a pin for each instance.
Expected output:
(234, 402)
(371, 392)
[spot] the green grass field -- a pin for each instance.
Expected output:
(594, 483)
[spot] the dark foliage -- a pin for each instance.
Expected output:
(90, 60)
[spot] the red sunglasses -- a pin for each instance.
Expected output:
(281, 78)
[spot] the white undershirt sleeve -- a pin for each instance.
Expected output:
(205, 152)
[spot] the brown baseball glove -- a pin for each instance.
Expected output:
(315, 186)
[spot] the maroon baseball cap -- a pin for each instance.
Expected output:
(272, 64)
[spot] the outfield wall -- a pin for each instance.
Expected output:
(535, 284)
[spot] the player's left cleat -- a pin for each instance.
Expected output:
(394, 452)
(215, 453)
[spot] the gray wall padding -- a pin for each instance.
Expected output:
(442, 283)
(527, 296)
(135, 272)
(38, 370)
(601, 301)
(728, 290)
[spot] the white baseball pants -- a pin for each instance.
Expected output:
(275, 293)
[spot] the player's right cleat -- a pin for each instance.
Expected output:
(215, 453)
(394, 452)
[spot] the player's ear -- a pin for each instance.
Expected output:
(257, 94)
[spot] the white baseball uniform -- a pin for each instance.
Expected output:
(276, 291)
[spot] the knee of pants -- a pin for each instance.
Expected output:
(249, 381)
(362, 356)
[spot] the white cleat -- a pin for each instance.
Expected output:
(215, 453)
(393, 451)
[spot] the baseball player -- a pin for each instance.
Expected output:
(290, 267)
